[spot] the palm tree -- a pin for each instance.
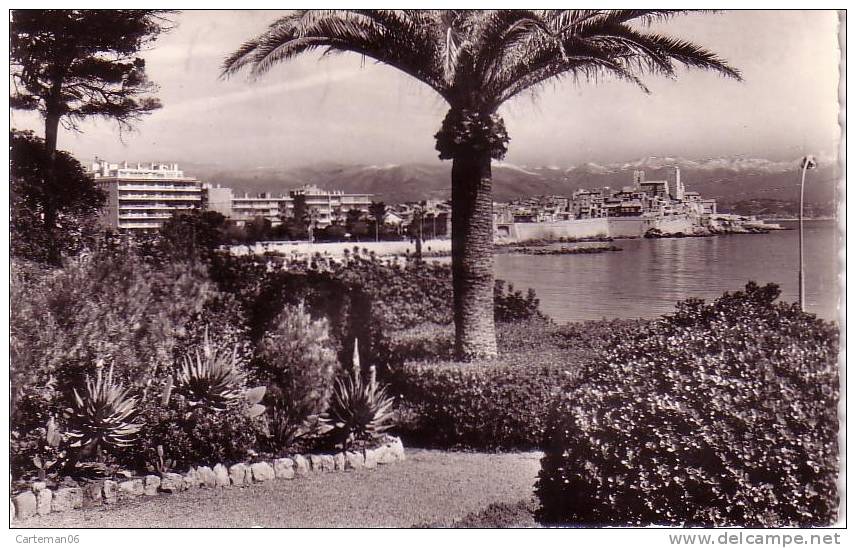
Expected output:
(477, 60)
(378, 212)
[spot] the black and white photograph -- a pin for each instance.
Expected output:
(528, 269)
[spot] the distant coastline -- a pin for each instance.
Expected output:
(795, 219)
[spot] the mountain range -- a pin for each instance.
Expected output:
(743, 185)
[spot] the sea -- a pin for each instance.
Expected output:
(648, 276)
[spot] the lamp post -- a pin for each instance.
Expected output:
(808, 162)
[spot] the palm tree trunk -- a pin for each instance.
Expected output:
(472, 255)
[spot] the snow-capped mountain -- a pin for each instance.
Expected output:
(732, 181)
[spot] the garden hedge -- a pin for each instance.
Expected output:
(498, 404)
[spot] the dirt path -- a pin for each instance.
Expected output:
(430, 487)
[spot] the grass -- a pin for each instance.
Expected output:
(431, 487)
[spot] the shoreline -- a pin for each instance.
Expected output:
(442, 248)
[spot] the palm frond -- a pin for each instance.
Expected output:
(477, 59)
(610, 45)
(389, 37)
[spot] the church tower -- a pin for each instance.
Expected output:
(680, 191)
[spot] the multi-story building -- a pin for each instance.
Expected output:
(264, 204)
(142, 197)
(217, 198)
(323, 206)
(326, 206)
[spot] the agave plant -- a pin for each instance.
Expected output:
(103, 415)
(359, 409)
(212, 380)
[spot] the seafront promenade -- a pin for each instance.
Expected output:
(338, 249)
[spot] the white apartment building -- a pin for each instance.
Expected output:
(217, 198)
(321, 204)
(142, 197)
(324, 204)
(247, 207)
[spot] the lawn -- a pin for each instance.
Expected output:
(431, 487)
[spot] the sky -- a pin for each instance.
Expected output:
(343, 110)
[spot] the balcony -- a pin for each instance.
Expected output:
(145, 197)
(144, 216)
(139, 225)
(153, 205)
(183, 188)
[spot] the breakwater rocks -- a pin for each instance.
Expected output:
(588, 250)
(700, 232)
(40, 498)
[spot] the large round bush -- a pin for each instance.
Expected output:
(721, 414)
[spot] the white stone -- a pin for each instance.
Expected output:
(238, 474)
(26, 505)
(328, 463)
(262, 471)
(151, 483)
(397, 448)
(315, 463)
(192, 479)
(207, 477)
(384, 455)
(370, 458)
(92, 495)
(131, 488)
(172, 483)
(221, 475)
(43, 503)
(111, 491)
(67, 498)
(354, 461)
(283, 468)
(301, 465)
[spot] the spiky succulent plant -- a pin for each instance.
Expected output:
(102, 415)
(209, 381)
(359, 409)
(213, 380)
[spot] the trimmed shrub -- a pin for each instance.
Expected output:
(427, 342)
(720, 414)
(488, 404)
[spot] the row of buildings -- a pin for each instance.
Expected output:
(655, 198)
(142, 197)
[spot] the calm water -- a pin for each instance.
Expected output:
(648, 277)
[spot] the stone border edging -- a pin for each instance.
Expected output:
(40, 500)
